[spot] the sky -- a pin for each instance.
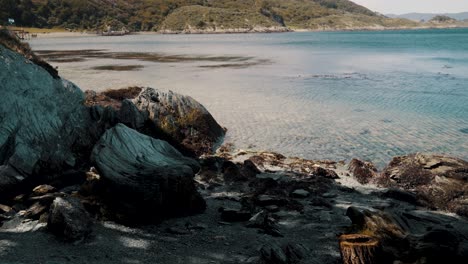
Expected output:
(419, 6)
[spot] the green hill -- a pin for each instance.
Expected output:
(179, 15)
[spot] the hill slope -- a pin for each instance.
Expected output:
(177, 15)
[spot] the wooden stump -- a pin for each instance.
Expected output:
(359, 249)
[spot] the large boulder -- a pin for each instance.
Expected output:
(68, 219)
(43, 122)
(440, 181)
(146, 179)
(176, 118)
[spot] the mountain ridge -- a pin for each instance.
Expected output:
(427, 16)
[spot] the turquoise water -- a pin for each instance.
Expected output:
(318, 95)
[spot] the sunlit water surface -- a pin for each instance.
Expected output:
(328, 95)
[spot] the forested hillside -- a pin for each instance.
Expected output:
(146, 15)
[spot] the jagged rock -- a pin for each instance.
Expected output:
(145, 178)
(68, 219)
(176, 118)
(44, 127)
(362, 171)
(439, 181)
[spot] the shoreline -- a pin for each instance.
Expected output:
(246, 31)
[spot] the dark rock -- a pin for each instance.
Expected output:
(231, 172)
(68, 219)
(401, 195)
(146, 179)
(234, 215)
(322, 172)
(178, 231)
(273, 254)
(266, 223)
(362, 171)
(249, 170)
(290, 253)
(300, 193)
(265, 200)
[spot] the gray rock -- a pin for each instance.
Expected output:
(300, 193)
(146, 178)
(273, 254)
(179, 119)
(43, 122)
(68, 219)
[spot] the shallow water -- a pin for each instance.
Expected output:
(327, 95)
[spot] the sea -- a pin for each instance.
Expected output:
(317, 95)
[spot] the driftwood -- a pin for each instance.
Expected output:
(359, 249)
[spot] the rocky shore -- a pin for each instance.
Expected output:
(136, 175)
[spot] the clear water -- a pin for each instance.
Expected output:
(327, 95)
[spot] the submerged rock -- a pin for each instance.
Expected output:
(68, 219)
(145, 178)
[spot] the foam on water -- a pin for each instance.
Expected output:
(335, 95)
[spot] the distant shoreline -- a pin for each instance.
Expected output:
(59, 34)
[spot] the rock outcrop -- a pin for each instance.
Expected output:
(145, 178)
(178, 119)
(43, 122)
(440, 181)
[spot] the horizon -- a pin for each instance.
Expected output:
(399, 7)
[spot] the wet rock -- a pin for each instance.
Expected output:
(322, 172)
(300, 193)
(145, 179)
(401, 195)
(362, 171)
(440, 182)
(68, 219)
